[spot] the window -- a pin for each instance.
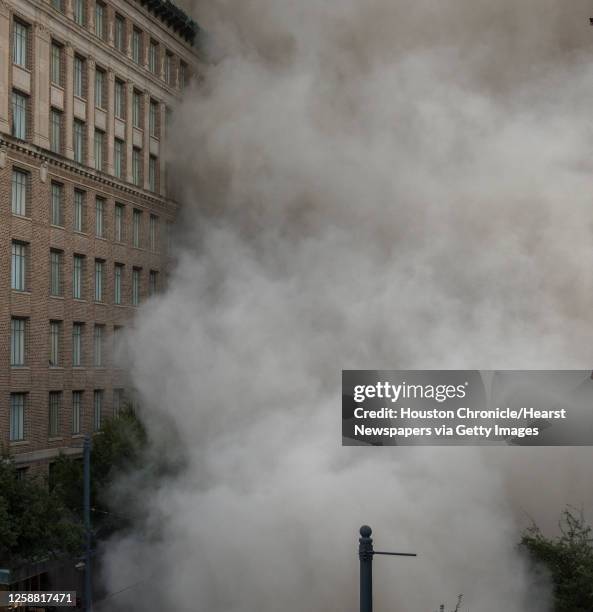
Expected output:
(119, 34)
(78, 138)
(152, 172)
(77, 277)
(168, 233)
(77, 335)
(56, 64)
(79, 80)
(98, 346)
(120, 99)
(97, 409)
(55, 283)
(153, 57)
(153, 118)
(76, 411)
(182, 75)
(98, 280)
(137, 46)
(137, 109)
(99, 149)
(118, 331)
(168, 68)
(20, 186)
(153, 282)
(19, 115)
(137, 167)
(118, 273)
(118, 401)
(100, 88)
(79, 7)
(55, 331)
(118, 158)
(119, 223)
(54, 413)
(153, 232)
(133, 401)
(100, 218)
(55, 137)
(79, 197)
(100, 20)
(18, 330)
(136, 287)
(20, 44)
(17, 416)
(55, 401)
(58, 5)
(18, 266)
(116, 345)
(57, 198)
(136, 228)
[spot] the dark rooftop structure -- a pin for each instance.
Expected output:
(174, 17)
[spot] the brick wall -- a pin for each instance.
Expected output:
(36, 304)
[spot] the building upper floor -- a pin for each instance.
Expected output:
(95, 82)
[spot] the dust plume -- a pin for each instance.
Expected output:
(365, 184)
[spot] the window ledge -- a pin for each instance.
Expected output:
(19, 442)
(23, 291)
(54, 438)
(20, 367)
(56, 297)
(25, 217)
(22, 67)
(57, 226)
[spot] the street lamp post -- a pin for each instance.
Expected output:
(88, 600)
(365, 555)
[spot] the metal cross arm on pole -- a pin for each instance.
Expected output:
(366, 554)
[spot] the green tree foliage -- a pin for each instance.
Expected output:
(43, 517)
(117, 450)
(568, 559)
(34, 522)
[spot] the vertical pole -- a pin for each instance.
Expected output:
(365, 554)
(88, 606)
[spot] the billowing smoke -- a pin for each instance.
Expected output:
(365, 184)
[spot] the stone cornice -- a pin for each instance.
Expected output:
(100, 178)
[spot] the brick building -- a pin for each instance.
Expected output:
(86, 91)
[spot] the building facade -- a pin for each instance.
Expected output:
(86, 92)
